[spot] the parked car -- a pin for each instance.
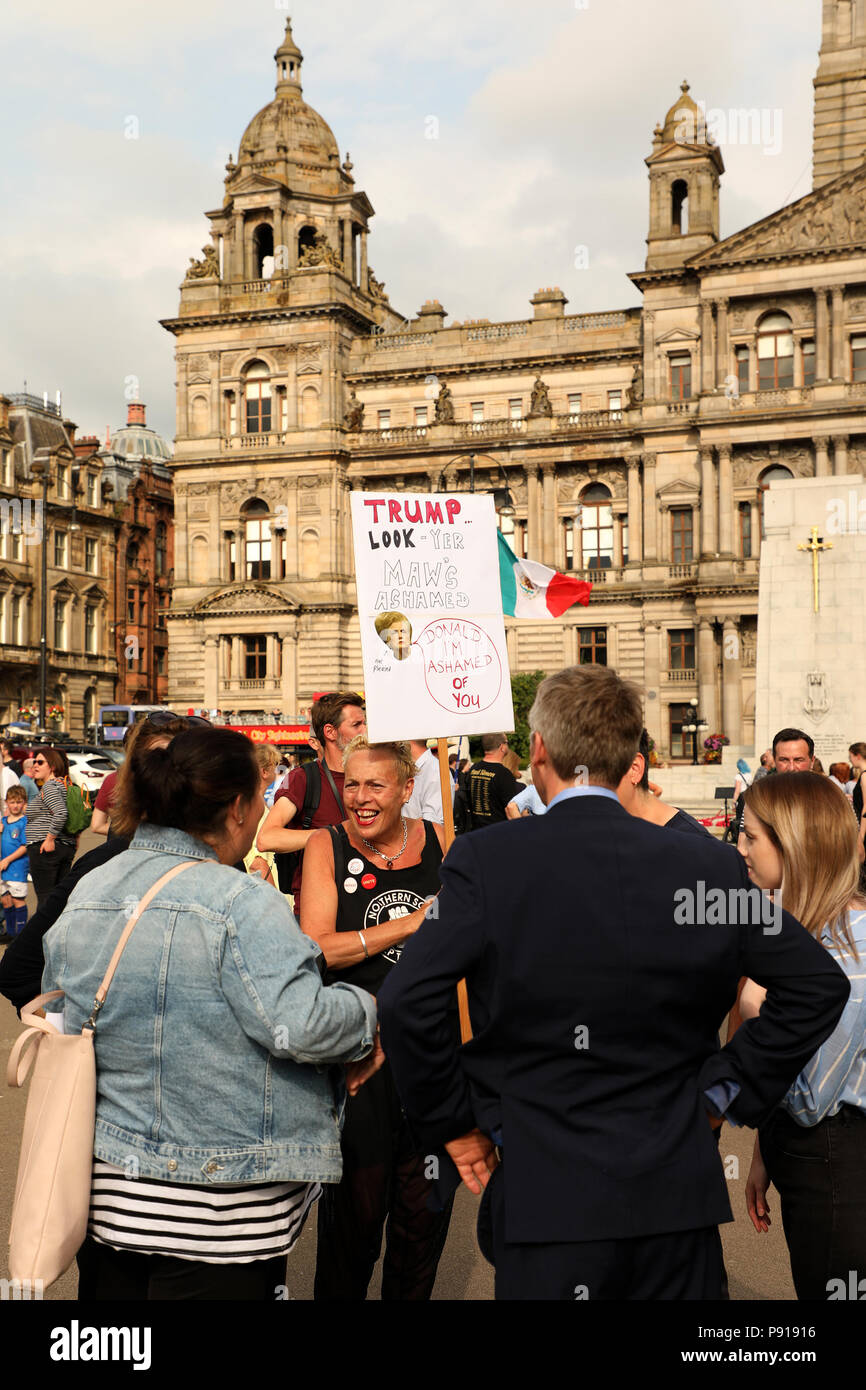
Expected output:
(117, 755)
(89, 769)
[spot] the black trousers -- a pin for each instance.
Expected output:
(682, 1265)
(819, 1172)
(107, 1275)
(48, 869)
(384, 1178)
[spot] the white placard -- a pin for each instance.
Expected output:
(430, 610)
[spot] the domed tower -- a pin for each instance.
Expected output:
(685, 167)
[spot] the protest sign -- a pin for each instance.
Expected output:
(430, 613)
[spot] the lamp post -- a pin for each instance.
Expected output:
(502, 498)
(40, 470)
(694, 728)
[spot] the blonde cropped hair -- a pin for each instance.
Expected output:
(267, 756)
(400, 753)
(389, 619)
(809, 820)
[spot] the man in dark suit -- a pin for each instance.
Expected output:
(601, 954)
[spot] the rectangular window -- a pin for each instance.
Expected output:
(60, 625)
(15, 620)
(420, 415)
(160, 662)
(592, 646)
(808, 351)
(574, 400)
(255, 658)
(568, 528)
(130, 605)
(858, 357)
(90, 554)
(59, 549)
(62, 482)
(4, 467)
(477, 408)
(14, 545)
(614, 404)
(258, 548)
(742, 355)
(681, 743)
(91, 490)
(682, 552)
(258, 398)
(681, 377)
(681, 649)
(745, 530)
(90, 628)
(384, 419)
(515, 409)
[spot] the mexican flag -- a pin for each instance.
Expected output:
(530, 590)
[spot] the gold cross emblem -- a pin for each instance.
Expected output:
(814, 546)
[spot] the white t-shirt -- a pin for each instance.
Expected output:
(425, 803)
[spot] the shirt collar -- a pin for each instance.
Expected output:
(169, 840)
(569, 792)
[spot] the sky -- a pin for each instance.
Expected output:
(501, 144)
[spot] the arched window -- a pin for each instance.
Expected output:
(596, 527)
(771, 475)
(306, 237)
(568, 535)
(132, 556)
(161, 547)
(680, 207)
(257, 540)
(775, 353)
(257, 395)
(199, 551)
(263, 250)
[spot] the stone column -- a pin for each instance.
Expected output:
(635, 530)
(292, 389)
(652, 679)
(822, 460)
(756, 529)
(238, 269)
(707, 346)
(709, 543)
(215, 555)
(270, 656)
(365, 281)
(822, 337)
(665, 549)
(211, 673)
(182, 396)
(290, 674)
(181, 534)
(840, 455)
(225, 661)
(649, 507)
(722, 348)
(237, 660)
(726, 501)
(617, 541)
(650, 389)
(731, 697)
(707, 673)
(838, 365)
(548, 522)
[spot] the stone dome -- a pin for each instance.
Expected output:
(135, 440)
(288, 121)
(685, 123)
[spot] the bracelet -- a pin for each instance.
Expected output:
(364, 944)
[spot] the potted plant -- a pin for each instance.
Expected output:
(714, 745)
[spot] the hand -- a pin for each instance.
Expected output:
(3, 863)
(475, 1159)
(47, 846)
(359, 1072)
(756, 1192)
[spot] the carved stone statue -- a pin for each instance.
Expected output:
(634, 394)
(377, 287)
(354, 416)
(320, 253)
(539, 403)
(444, 413)
(206, 269)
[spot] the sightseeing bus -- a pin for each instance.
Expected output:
(114, 720)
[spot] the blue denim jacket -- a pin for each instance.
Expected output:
(213, 1048)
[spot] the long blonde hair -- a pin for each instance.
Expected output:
(809, 820)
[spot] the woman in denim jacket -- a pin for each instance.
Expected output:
(218, 1109)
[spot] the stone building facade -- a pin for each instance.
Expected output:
(633, 446)
(81, 668)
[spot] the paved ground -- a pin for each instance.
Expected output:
(757, 1265)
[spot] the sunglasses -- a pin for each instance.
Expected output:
(41, 760)
(161, 718)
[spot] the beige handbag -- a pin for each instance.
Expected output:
(52, 1194)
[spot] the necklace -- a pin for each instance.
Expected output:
(389, 859)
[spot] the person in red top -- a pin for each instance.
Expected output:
(101, 821)
(336, 720)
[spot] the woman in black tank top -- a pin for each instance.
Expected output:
(367, 885)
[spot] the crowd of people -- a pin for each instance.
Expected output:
(283, 1032)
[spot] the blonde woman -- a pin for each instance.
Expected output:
(800, 838)
(261, 861)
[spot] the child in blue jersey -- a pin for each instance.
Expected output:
(14, 863)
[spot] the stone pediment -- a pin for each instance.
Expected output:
(253, 183)
(679, 488)
(249, 599)
(678, 335)
(832, 218)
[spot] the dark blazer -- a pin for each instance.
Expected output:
(595, 1016)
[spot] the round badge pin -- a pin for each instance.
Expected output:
(350, 885)
(355, 866)
(368, 881)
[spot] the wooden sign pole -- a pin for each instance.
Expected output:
(448, 821)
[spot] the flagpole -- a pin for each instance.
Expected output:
(448, 822)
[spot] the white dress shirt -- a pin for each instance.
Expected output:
(425, 803)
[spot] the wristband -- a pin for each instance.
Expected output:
(364, 944)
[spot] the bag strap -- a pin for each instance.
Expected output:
(20, 1062)
(332, 784)
(312, 792)
(127, 932)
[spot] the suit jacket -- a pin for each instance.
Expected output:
(595, 1006)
